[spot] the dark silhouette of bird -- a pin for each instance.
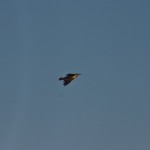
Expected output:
(69, 77)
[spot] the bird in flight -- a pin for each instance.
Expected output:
(69, 77)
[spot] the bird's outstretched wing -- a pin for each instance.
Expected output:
(66, 82)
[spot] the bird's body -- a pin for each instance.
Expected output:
(68, 78)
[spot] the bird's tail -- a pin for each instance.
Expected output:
(61, 78)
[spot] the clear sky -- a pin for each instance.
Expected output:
(108, 107)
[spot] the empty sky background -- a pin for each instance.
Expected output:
(108, 107)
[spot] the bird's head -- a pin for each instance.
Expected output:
(78, 74)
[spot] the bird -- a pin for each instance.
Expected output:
(68, 78)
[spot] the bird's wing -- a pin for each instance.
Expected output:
(66, 82)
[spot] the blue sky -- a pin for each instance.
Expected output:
(107, 107)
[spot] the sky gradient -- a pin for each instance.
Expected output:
(108, 107)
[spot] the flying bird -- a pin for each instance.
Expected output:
(68, 78)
